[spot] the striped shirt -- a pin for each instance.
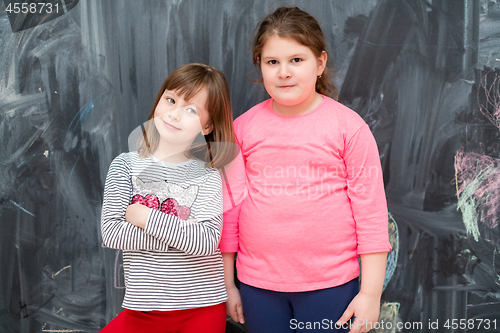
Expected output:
(174, 262)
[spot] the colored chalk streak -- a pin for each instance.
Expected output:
(477, 180)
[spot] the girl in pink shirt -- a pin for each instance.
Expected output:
(314, 200)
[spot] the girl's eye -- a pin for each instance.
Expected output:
(191, 111)
(170, 100)
(272, 62)
(296, 60)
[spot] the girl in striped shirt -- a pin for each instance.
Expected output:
(163, 207)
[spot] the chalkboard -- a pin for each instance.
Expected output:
(75, 82)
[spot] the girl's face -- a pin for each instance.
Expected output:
(289, 71)
(179, 121)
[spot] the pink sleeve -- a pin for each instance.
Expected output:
(365, 188)
(234, 191)
(229, 240)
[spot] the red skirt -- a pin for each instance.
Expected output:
(210, 319)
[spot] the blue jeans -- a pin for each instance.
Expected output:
(285, 312)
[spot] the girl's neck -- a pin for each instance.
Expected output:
(304, 107)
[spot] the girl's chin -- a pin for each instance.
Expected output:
(287, 103)
(294, 101)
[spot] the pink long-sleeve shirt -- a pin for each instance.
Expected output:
(315, 198)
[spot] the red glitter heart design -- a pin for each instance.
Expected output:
(169, 206)
(150, 200)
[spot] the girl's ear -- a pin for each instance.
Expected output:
(209, 127)
(322, 62)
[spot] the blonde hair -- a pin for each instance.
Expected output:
(296, 24)
(216, 149)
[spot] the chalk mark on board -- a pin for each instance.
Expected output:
(477, 179)
(74, 165)
(496, 252)
(41, 306)
(389, 312)
(84, 112)
(392, 256)
(24, 210)
(62, 269)
(490, 87)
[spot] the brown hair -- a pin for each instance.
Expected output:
(296, 24)
(187, 81)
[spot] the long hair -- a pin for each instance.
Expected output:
(296, 24)
(216, 149)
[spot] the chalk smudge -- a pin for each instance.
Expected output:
(59, 271)
(477, 180)
(389, 313)
(392, 256)
(83, 113)
(21, 208)
(496, 252)
(489, 95)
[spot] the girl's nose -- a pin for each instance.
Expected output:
(284, 72)
(176, 114)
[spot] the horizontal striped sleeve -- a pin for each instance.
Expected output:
(200, 237)
(117, 233)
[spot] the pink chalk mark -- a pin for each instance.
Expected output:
(478, 178)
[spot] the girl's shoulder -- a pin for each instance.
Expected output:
(256, 110)
(197, 173)
(201, 170)
(201, 167)
(342, 110)
(128, 158)
(256, 113)
(130, 163)
(346, 117)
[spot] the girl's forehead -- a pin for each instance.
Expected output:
(283, 45)
(185, 93)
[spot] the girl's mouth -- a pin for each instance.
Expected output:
(172, 127)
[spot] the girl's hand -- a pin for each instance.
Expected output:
(366, 309)
(137, 214)
(234, 307)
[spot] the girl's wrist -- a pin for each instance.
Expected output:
(370, 294)
(230, 285)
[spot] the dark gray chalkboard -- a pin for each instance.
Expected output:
(424, 74)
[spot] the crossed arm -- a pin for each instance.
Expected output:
(137, 227)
